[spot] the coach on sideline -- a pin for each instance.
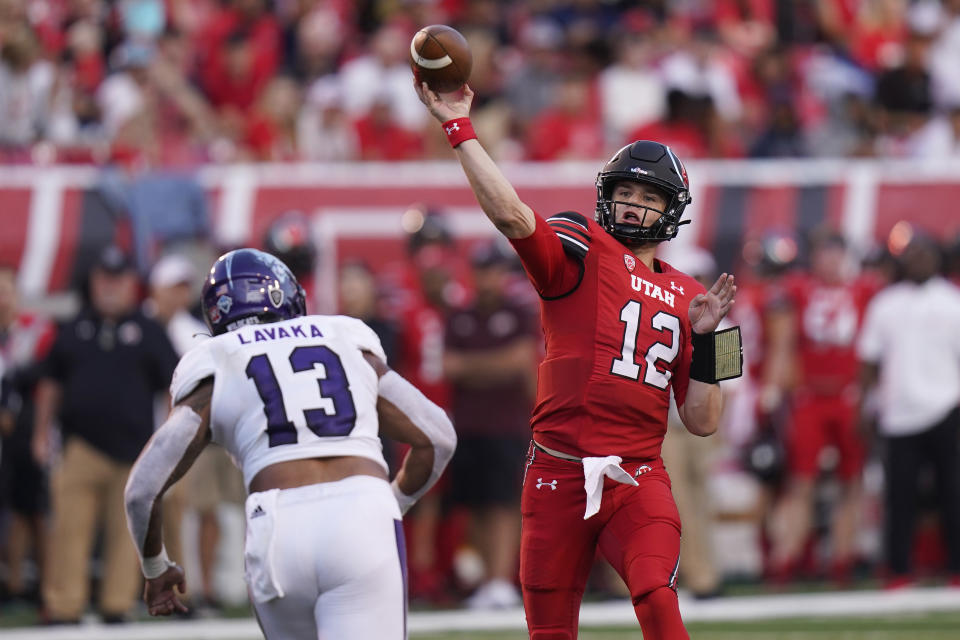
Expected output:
(100, 378)
(910, 343)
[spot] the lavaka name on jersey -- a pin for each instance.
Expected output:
(265, 334)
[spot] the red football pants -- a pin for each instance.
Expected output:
(821, 421)
(637, 530)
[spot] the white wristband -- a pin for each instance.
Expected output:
(403, 499)
(155, 566)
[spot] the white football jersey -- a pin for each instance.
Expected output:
(289, 390)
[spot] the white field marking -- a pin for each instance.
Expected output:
(599, 614)
(428, 63)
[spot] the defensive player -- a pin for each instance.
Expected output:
(621, 328)
(296, 400)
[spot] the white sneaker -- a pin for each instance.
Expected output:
(495, 594)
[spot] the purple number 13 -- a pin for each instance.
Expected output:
(334, 385)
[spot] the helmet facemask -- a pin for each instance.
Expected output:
(664, 228)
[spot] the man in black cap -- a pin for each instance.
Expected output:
(490, 358)
(99, 380)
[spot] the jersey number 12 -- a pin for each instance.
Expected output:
(627, 366)
(334, 385)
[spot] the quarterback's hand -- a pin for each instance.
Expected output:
(707, 310)
(445, 106)
(159, 592)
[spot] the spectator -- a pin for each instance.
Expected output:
(100, 379)
(73, 123)
(382, 137)
(632, 93)
(905, 103)
(681, 129)
(944, 54)
(25, 84)
(876, 37)
(783, 135)
(24, 341)
(383, 76)
(271, 133)
(324, 132)
(703, 67)
(569, 129)
(490, 358)
(910, 347)
(238, 54)
(746, 26)
(531, 85)
(150, 114)
(315, 43)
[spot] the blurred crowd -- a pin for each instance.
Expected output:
(164, 83)
(838, 457)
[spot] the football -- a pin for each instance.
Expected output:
(440, 56)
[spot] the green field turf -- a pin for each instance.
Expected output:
(934, 626)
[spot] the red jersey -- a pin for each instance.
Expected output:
(617, 339)
(828, 319)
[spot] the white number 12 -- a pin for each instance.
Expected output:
(627, 366)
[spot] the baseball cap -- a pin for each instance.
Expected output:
(113, 259)
(172, 270)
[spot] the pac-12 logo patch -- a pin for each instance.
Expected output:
(629, 261)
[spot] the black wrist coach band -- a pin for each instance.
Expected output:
(716, 356)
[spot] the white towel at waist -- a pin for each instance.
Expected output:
(594, 471)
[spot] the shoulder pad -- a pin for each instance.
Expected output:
(195, 366)
(365, 338)
(573, 230)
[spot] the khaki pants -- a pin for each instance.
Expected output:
(687, 458)
(87, 490)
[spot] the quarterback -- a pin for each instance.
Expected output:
(621, 329)
(298, 401)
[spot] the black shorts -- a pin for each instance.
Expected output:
(488, 470)
(23, 484)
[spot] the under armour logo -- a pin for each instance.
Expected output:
(552, 484)
(674, 286)
(642, 469)
(454, 127)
